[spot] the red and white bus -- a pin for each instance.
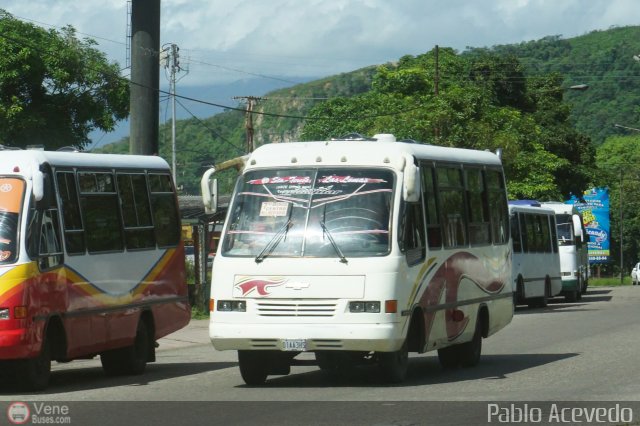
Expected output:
(91, 261)
(361, 251)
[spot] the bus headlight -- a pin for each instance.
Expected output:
(4, 313)
(232, 306)
(367, 306)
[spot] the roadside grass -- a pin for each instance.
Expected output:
(609, 282)
(199, 314)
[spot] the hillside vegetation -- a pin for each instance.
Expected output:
(601, 59)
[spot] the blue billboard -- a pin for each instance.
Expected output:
(594, 207)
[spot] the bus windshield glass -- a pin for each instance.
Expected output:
(11, 196)
(565, 230)
(323, 212)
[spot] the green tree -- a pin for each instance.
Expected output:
(55, 88)
(482, 101)
(617, 160)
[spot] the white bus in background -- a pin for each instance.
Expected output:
(361, 251)
(572, 245)
(536, 262)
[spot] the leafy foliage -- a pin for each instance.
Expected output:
(55, 88)
(479, 101)
(601, 59)
(617, 159)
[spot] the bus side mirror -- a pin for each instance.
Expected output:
(411, 182)
(209, 188)
(577, 228)
(38, 185)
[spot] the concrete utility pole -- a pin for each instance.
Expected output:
(145, 77)
(169, 59)
(251, 102)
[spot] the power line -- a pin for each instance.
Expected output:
(218, 135)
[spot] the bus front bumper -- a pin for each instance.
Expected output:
(377, 337)
(15, 345)
(569, 285)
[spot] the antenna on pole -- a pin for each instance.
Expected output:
(170, 59)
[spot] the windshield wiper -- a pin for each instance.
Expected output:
(273, 243)
(333, 243)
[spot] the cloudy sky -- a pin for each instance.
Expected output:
(227, 40)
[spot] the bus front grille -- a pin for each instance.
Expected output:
(296, 309)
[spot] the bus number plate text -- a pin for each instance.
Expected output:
(295, 345)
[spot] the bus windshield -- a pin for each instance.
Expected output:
(319, 212)
(11, 195)
(565, 230)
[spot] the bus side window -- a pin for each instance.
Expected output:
(136, 211)
(451, 195)
(50, 251)
(477, 207)
(499, 212)
(515, 233)
(166, 218)
(434, 230)
(71, 217)
(412, 237)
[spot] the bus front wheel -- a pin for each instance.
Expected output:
(34, 373)
(394, 365)
(254, 367)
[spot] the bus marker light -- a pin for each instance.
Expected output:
(391, 306)
(20, 312)
(211, 305)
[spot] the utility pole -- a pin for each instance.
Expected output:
(437, 73)
(251, 103)
(145, 76)
(170, 59)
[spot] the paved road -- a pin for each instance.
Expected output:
(586, 351)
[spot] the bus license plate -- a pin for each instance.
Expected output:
(295, 345)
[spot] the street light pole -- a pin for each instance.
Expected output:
(621, 229)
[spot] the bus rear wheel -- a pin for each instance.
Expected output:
(131, 360)
(464, 354)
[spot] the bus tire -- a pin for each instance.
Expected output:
(579, 289)
(470, 352)
(394, 365)
(449, 357)
(34, 373)
(542, 301)
(463, 354)
(254, 367)
(131, 360)
(333, 363)
(571, 296)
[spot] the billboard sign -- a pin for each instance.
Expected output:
(594, 208)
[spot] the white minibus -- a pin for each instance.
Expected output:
(572, 245)
(536, 261)
(361, 251)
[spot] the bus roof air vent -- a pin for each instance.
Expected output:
(352, 137)
(384, 137)
(68, 149)
(9, 148)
